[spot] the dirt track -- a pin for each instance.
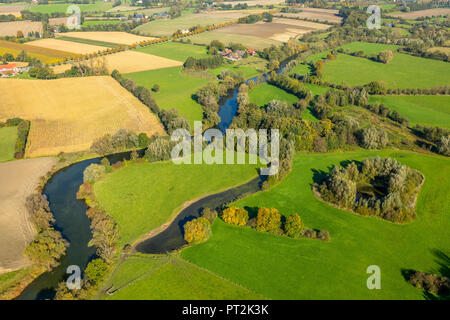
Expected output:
(18, 180)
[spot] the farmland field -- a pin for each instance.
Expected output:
(170, 278)
(264, 93)
(11, 28)
(249, 41)
(68, 114)
(326, 15)
(176, 89)
(62, 7)
(165, 27)
(96, 22)
(175, 50)
(145, 183)
(8, 137)
(108, 36)
(19, 179)
(249, 67)
(45, 55)
(368, 48)
(67, 46)
(422, 13)
(90, 42)
(425, 110)
(405, 71)
(282, 268)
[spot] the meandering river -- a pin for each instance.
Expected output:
(74, 225)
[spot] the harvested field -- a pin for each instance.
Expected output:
(326, 15)
(14, 10)
(113, 37)
(45, 55)
(280, 29)
(58, 21)
(11, 28)
(422, 13)
(19, 180)
(68, 114)
(255, 2)
(130, 61)
(67, 46)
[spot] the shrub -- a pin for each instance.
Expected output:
(209, 214)
(268, 220)
(235, 215)
(23, 129)
(373, 138)
(93, 173)
(159, 149)
(95, 271)
(293, 227)
(197, 230)
(143, 140)
(39, 210)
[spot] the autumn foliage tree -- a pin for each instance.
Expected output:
(235, 215)
(293, 226)
(197, 230)
(268, 220)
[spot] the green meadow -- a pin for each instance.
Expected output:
(176, 90)
(96, 22)
(170, 277)
(282, 268)
(404, 71)
(141, 197)
(264, 93)
(368, 48)
(8, 137)
(62, 7)
(175, 50)
(425, 110)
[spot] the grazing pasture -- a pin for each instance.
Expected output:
(175, 50)
(107, 36)
(13, 27)
(19, 180)
(325, 15)
(170, 277)
(45, 55)
(264, 93)
(425, 110)
(404, 71)
(422, 13)
(143, 196)
(67, 46)
(176, 89)
(67, 115)
(283, 268)
(8, 137)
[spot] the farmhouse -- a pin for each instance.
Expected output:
(236, 55)
(7, 70)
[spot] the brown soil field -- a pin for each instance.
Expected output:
(113, 36)
(279, 29)
(68, 114)
(19, 180)
(422, 13)
(14, 10)
(67, 46)
(130, 61)
(11, 28)
(327, 15)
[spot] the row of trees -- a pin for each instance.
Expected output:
(439, 137)
(376, 187)
(23, 128)
(204, 63)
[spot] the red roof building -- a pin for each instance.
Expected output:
(8, 69)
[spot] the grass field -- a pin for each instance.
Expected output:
(176, 90)
(170, 277)
(326, 15)
(8, 137)
(175, 50)
(404, 71)
(68, 114)
(283, 268)
(62, 7)
(249, 67)
(368, 48)
(425, 110)
(45, 55)
(96, 22)
(142, 197)
(249, 41)
(264, 93)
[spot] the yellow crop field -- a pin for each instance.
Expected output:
(45, 55)
(107, 36)
(128, 62)
(11, 28)
(67, 46)
(69, 114)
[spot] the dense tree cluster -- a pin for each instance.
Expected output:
(197, 230)
(48, 246)
(159, 149)
(210, 62)
(431, 283)
(440, 137)
(123, 139)
(376, 187)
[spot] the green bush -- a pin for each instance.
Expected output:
(293, 227)
(235, 215)
(197, 230)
